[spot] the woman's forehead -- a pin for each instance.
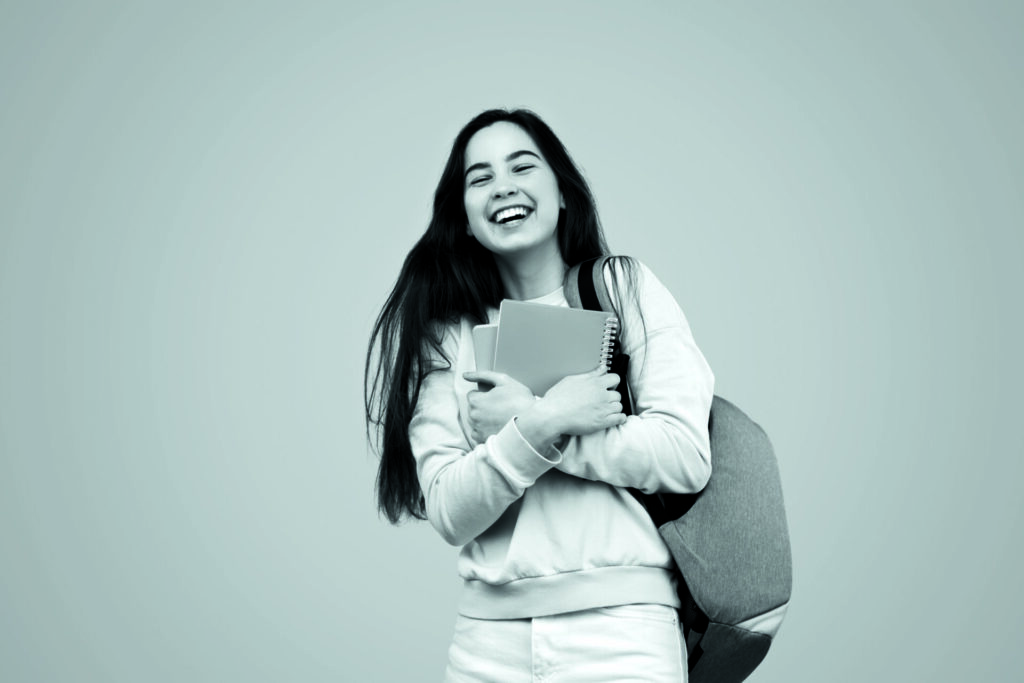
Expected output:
(497, 141)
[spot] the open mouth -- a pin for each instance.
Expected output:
(510, 214)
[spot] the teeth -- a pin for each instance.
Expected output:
(509, 213)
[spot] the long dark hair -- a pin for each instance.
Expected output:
(446, 277)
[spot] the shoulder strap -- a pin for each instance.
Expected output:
(585, 286)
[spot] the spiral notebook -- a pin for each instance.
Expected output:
(539, 344)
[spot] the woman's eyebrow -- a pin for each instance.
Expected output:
(511, 157)
(516, 155)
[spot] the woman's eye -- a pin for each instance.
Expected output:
(480, 180)
(522, 167)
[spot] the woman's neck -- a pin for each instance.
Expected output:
(528, 275)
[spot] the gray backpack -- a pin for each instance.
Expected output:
(730, 542)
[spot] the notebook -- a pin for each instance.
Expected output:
(539, 344)
(484, 339)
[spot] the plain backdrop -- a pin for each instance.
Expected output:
(204, 205)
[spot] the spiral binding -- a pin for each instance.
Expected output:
(611, 331)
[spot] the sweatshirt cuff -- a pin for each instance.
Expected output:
(518, 458)
(554, 455)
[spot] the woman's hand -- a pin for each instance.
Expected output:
(490, 409)
(577, 405)
(586, 403)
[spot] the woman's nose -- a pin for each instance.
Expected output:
(505, 189)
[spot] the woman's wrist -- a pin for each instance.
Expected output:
(537, 427)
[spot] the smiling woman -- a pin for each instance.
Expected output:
(563, 569)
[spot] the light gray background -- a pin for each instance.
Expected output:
(203, 207)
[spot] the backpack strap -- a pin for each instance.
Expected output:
(585, 286)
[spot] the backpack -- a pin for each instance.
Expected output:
(730, 542)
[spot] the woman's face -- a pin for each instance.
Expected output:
(511, 195)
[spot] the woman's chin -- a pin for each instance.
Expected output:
(513, 247)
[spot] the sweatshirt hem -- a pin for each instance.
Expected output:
(568, 592)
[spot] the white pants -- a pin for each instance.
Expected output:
(610, 644)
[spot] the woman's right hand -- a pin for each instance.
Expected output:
(586, 403)
(577, 405)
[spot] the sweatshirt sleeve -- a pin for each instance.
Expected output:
(664, 445)
(466, 487)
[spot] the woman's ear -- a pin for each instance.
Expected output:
(561, 200)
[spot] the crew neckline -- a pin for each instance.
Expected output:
(556, 296)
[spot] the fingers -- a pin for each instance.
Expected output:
(615, 419)
(611, 380)
(611, 421)
(486, 377)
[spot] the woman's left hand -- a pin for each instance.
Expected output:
(490, 409)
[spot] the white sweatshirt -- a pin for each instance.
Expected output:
(547, 533)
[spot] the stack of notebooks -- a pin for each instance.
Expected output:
(539, 344)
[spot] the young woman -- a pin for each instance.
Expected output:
(565, 576)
